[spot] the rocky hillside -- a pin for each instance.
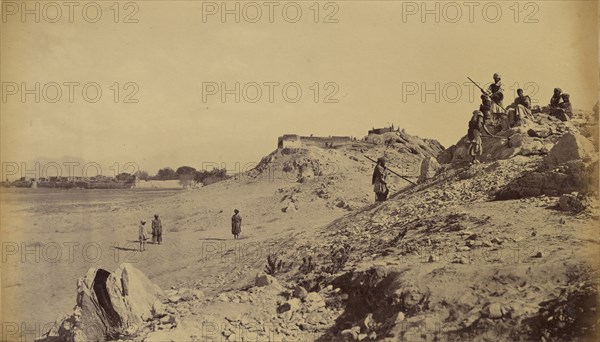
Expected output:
(492, 251)
(340, 175)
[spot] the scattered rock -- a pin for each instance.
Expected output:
(300, 292)
(291, 305)
(314, 301)
(572, 202)
(492, 310)
(264, 280)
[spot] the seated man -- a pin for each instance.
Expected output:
(566, 105)
(555, 100)
(564, 111)
(520, 109)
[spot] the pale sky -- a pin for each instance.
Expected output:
(372, 54)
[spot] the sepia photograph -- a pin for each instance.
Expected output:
(299, 171)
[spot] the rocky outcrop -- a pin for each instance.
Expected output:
(428, 170)
(406, 143)
(571, 146)
(570, 166)
(532, 137)
(109, 306)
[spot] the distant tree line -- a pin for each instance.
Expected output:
(186, 175)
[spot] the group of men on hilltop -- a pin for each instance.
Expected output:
(492, 110)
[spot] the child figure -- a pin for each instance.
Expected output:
(142, 236)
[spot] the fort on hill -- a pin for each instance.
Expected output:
(297, 141)
(383, 130)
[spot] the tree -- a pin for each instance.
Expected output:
(166, 173)
(186, 180)
(143, 175)
(185, 170)
(208, 177)
(124, 177)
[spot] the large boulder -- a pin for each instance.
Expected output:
(571, 146)
(429, 168)
(109, 306)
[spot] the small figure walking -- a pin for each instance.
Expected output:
(379, 181)
(142, 236)
(236, 224)
(156, 230)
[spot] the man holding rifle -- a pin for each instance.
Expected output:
(379, 181)
(496, 93)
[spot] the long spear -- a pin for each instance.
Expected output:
(485, 92)
(397, 174)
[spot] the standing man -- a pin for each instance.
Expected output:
(142, 235)
(236, 224)
(485, 107)
(379, 181)
(476, 124)
(496, 93)
(156, 230)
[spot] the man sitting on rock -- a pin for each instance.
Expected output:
(564, 111)
(555, 100)
(520, 109)
(566, 105)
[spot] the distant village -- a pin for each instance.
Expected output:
(121, 181)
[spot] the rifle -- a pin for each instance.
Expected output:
(397, 174)
(485, 92)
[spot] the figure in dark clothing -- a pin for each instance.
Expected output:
(555, 100)
(486, 107)
(566, 105)
(379, 181)
(156, 230)
(476, 125)
(564, 110)
(236, 224)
